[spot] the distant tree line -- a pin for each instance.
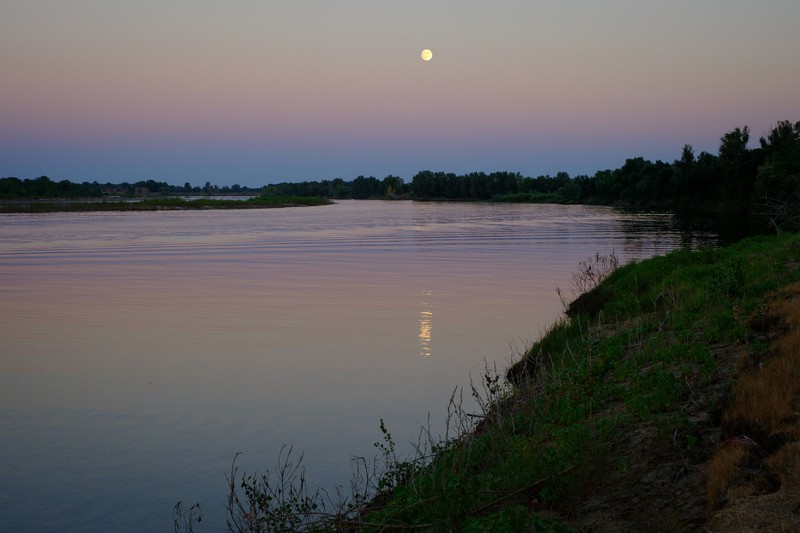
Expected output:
(361, 188)
(43, 187)
(736, 178)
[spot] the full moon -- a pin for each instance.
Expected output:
(426, 55)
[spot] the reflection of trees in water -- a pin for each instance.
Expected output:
(725, 227)
(641, 232)
(645, 229)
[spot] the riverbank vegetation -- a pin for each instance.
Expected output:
(665, 399)
(43, 187)
(157, 204)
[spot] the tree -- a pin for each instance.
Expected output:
(705, 184)
(733, 146)
(782, 148)
(392, 186)
(422, 184)
(11, 188)
(778, 181)
(479, 185)
(362, 188)
(683, 172)
(738, 164)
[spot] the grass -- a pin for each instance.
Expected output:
(634, 379)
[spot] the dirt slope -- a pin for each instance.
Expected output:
(742, 473)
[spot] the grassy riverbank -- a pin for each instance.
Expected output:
(156, 204)
(666, 399)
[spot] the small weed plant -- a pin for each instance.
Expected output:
(268, 503)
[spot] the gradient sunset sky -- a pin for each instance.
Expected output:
(255, 92)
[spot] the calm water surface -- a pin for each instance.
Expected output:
(141, 351)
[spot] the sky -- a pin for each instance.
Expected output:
(253, 92)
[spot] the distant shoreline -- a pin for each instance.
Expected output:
(56, 205)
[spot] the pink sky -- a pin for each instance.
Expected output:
(255, 92)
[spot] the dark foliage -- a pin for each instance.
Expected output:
(737, 178)
(360, 188)
(43, 187)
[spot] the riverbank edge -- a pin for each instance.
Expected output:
(615, 418)
(156, 204)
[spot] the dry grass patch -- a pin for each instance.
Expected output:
(762, 455)
(778, 512)
(766, 400)
(786, 462)
(723, 469)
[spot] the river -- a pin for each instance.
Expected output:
(142, 351)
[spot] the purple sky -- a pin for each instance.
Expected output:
(253, 92)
